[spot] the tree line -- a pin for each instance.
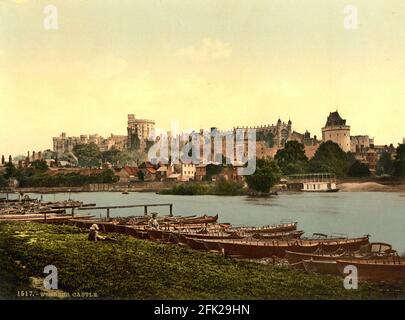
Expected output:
(329, 158)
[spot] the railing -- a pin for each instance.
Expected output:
(145, 206)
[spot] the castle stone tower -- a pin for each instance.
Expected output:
(337, 131)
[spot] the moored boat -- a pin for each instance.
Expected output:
(321, 266)
(283, 227)
(376, 250)
(379, 270)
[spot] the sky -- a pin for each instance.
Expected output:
(201, 63)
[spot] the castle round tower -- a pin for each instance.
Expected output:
(337, 131)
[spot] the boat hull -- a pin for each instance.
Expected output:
(375, 270)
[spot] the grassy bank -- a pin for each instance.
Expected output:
(139, 269)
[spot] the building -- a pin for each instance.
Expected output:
(337, 131)
(139, 131)
(127, 174)
(281, 132)
(188, 171)
(64, 144)
(361, 143)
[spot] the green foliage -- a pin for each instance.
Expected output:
(221, 187)
(3, 182)
(11, 171)
(39, 165)
(385, 165)
(227, 188)
(358, 169)
(130, 268)
(329, 158)
(88, 155)
(292, 158)
(188, 189)
(267, 174)
(49, 154)
(66, 180)
(112, 156)
(399, 164)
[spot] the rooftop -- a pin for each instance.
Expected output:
(334, 119)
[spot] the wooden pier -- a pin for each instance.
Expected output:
(145, 206)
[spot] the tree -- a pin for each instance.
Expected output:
(358, 169)
(39, 165)
(112, 156)
(88, 155)
(385, 165)
(49, 154)
(329, 158)
(292, 158)
(267, 174)
(11, 171)
(3, 182)
(399, 163)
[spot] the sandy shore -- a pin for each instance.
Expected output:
(370, 186)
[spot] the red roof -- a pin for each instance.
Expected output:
(132, 171)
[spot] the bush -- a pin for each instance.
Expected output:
(358, 169)
(267, 174)
(224, 187)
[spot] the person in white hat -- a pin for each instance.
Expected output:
(93, 234)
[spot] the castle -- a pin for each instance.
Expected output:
(280, 133)
(337, 130)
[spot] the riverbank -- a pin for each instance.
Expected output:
(139, 269)
(370, 184)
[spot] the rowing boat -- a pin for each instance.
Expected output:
(379, 270)
(321, 266)
(279, 235)
(269, 248)
(376, 250)
(283, 227)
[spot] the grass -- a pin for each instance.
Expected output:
(138, 269)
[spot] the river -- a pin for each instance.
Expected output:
(380, 214)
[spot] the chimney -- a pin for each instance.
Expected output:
(2, 159)
(10, 160)
(33, 155)
(40, 155)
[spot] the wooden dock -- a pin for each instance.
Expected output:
(145, 206)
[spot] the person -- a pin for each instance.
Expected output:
(93, 234)
(153, 223)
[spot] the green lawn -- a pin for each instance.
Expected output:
(140, 269)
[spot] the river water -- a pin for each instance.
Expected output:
(380, 214)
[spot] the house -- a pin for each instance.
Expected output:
(200, 172)
(187, 171)
(148, 171)
(127, 174)
(161, 173)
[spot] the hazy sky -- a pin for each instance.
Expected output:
(200, 62)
